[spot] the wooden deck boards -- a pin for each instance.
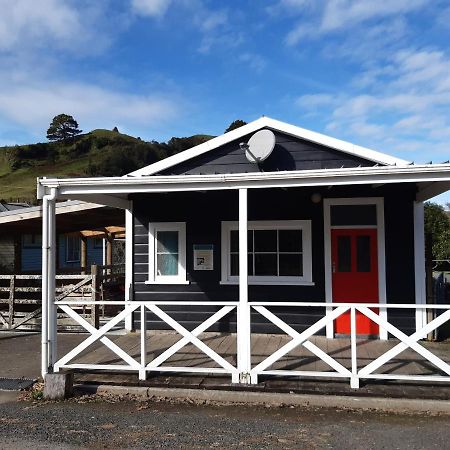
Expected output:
(263, 345)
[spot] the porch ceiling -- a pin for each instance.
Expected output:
(430, 180)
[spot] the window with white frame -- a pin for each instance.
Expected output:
(73, 244)
(167, 253)
(279, 252)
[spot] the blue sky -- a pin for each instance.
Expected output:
(374, 73)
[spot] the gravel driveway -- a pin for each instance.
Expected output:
(102, 423)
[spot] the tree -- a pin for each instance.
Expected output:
(62, 127)
(236, 124)
(437, 225)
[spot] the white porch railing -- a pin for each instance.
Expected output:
(356, 370)
(157, 364)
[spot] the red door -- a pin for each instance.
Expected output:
(355, 275)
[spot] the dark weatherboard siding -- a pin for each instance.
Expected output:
(203, 213)
(290, 153)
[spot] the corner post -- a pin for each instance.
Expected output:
(129, 244)
(243, 316)
(52, 313)
(48, 334)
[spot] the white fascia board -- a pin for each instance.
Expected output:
(121, 186)
(276, 125)
(36, 211)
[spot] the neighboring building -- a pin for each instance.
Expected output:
(79, 245)
(326, 221)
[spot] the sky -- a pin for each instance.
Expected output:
(370, 72)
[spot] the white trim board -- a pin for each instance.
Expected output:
(276, 125)
(379, 203)
(153, 229)
(123, 186)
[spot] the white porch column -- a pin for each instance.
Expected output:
(48, 322)
(129, 240)
(243, 316)
(419, 263)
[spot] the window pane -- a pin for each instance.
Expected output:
(290, 240)
(167, 242)
(166, 264)
(234, 264)
(265, 240)
(234, 240)
(291, 265)
(353, 215)
(266, 264)
(344, 254)
(363, 253)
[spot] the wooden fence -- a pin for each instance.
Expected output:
(20, 296)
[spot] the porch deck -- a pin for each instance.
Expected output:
(263, 345)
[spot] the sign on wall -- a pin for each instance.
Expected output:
(203, 257)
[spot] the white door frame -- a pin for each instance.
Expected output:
(379, 203)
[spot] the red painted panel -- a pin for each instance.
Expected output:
(354, 254)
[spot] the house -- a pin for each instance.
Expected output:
(78, 246)
(272, 213)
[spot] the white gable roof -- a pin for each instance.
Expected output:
(276, 125)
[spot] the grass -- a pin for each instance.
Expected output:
(99, 152)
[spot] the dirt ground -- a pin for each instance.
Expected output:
(110, 422)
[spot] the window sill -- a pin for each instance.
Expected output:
(167, 282)
(271, 283)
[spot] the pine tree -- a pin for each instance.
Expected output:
(63, 127)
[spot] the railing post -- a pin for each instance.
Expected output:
(243, 316)
(11, 301)
(94, 290)
(354, 381)
(142, 370)
(129, 240)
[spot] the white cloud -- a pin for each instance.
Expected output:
(341, 15)
(254, 61)
(50, 24)
(31, 103)
(151, 8)
(403, 107)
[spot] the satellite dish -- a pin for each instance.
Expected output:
(260, 146)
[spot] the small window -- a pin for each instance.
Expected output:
(278, 252)
(167, 253)
(73, 244)
(32, 241)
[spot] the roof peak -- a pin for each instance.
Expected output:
(276, 125)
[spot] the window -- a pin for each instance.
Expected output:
(32, 240)
(167, 253)
(72, 248)
(278, 252)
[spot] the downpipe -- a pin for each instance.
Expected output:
(47, 253)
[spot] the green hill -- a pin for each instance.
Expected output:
(98, 153)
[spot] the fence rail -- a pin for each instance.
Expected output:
(357, 369)
(20, 295)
